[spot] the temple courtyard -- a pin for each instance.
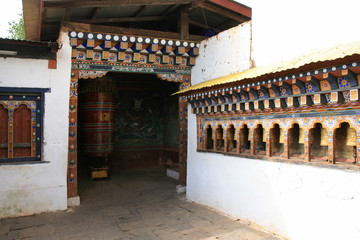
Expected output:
(136, 204)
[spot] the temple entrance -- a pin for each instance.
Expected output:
(138, 128)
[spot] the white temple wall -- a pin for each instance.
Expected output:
(226, 53)
(38, 187)
(295, 201)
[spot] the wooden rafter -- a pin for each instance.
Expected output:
(124, 19)
(222, 11)
(184, 25)
(201, 25)
(95, 13)
(67, 14)
(43, 20)
(110, 3)
(142, 10)
(170, 9)
(83, 27)
(234, 6)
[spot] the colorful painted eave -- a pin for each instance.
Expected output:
(310, 61)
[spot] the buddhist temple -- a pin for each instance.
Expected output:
(104, 86)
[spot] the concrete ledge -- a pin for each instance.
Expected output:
(180, 189)
(74, 201)
(172, 173)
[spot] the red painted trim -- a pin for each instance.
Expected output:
(52, 64)
(234, 6)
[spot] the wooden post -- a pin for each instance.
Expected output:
(357, 152)
(183, 142)
(238, 147)
(226, 140)
(331, 146)
(268, 143)
(252, 144)
(72, 179)
(215, 139)
(307, 142)
(286, 143)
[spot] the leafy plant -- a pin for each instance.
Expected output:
(17, 29)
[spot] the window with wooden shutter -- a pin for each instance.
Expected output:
(21, 124)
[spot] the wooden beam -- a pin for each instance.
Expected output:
(142, 10)
(125, 19)
(67, 14)
(110, 3)
(170, 9)
(226, 24)
(40, 20)
(201, 25)
(224, 12)
(58, 4)
(83, 27)
(43, 20)
(234, 6)
(183, 27)
(95, 13)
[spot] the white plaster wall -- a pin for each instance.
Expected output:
(34, 188)
(226, 53)
(295, 201)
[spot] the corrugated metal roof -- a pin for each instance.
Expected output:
(9, 41)
(337, 52)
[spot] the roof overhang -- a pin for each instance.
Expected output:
(28, 49)
(188, 19)
(338, 55)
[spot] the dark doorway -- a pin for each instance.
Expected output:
(145, 122)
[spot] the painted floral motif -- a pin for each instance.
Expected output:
(296, 89)
(309, 88)
(283, 91)
(344, 82)
(261, 95)
(91, 74)
(12, 105)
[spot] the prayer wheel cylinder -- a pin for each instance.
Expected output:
(98, 124)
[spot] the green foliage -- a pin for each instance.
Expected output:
(17, 29)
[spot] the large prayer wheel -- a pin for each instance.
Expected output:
(98, 121)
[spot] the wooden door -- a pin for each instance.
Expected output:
(22, 132)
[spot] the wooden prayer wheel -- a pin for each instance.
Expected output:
(301, 135)
(351, 137)
(324, 137)
(98, 118)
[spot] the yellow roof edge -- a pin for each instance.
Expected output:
(338, 52)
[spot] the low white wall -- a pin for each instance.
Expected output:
(295, 201)
(34, 188)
